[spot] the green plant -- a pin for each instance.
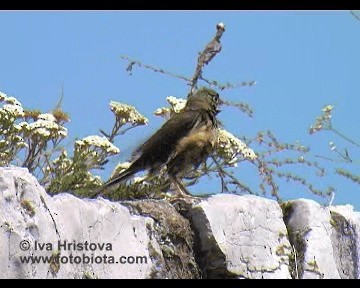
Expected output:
(324, 123)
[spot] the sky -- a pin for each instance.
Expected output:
(300, 60)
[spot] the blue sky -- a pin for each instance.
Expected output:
(301, 61)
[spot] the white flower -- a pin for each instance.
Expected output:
(45, 126)
(177, 104)
(41, 123)
(123, 166)
(62, 161)
(63, 133)
(17, 127)
(232, 146)
(327, 108)
(22, 144)
(64, 154)
(42, 132)
(3, 96)
(163, 111)
(139, 179)
(23, 125)
(94, 179)
(97, 141)
(12, 109)
(120, 167)
(18, 138)
(127, 113)
(47, 117)
(13, 101)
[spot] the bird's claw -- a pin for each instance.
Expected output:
(181, 200)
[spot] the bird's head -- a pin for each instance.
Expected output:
(204, 98)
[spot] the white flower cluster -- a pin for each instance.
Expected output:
(230, 146)
(90, 178)
(16, 140)
(12, 108)
(9, 112)
(45, 126)
(322, 121)
(96, 179)
(62, 162)
(120, 167)
(177, 104)
(163, 111)
(97, 141)
(127, 113)
(327, 109)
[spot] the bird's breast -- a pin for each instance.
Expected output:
(198, 140)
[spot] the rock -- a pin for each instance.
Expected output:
(174, 237)
(31, 218)
(346, 240)
(326, 239)
(241, 237)
(223, 236)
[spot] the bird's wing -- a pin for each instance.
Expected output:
(159, 147)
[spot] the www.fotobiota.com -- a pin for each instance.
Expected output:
(65, 245)
(70, 247)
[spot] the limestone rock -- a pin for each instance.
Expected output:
(88, 233)
(326, 239)
(241, 237)
(222, 236)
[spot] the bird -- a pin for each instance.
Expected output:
(183, 141)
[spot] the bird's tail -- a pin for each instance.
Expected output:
(117, 179)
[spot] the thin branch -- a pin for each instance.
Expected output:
(233, 178)
(104, 133)
(155, 69)
(209, 52)
(327, 158)
(214, 83)
(245, 108)
(228, 85)
(348, 174)
(126, 129)
(355, 15)
(344, 137)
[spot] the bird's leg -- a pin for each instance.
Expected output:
(180, 189)
(182, 198)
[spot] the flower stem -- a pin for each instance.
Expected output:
(344, 137)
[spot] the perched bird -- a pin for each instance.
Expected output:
(185, 140)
